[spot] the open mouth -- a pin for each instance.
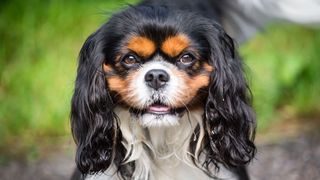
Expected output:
(158, 108)
(157, 114)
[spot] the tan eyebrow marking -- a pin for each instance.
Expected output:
(143, 46)
(174, 45)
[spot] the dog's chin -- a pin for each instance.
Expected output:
(158, 120)
(158, 115)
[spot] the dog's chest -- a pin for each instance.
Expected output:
(159, 153)
(175, 170)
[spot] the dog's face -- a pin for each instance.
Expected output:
(158, 77)
(159, 64)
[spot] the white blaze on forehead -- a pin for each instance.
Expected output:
(146, 95)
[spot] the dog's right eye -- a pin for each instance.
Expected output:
(130, 61)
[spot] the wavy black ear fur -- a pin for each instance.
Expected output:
(93, 121)
(229, 118)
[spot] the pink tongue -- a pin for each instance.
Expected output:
(158, 108)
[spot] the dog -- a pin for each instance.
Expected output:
(160, 93)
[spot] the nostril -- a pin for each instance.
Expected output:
(163, 77)
(149, 77)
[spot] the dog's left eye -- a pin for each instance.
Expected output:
(130, 60)
(187, 59)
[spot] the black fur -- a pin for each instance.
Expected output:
(92, 119)
(228, 118)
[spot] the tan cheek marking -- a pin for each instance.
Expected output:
(107, 68)
(198, 82)
(122, 87)
(201, 80)
(208, 67)
(190, 88)
(116, 84)
(173, 46)
(196, 65)
(143, 46)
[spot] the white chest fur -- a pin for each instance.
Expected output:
(160, 153)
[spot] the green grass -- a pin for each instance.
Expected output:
(39, 45)
(284, 64)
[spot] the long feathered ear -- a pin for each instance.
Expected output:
(229, 118)
(93, 121)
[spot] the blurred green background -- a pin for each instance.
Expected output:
(39, 45)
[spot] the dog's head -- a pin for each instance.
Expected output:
(160, 64)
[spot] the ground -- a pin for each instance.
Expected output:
(294, 159)
(289, 151)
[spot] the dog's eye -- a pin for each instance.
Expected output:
(187, 59)
(130, 60)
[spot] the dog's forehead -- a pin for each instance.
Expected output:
(171, 45)
(147, 31)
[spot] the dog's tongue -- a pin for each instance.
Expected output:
(157, 108)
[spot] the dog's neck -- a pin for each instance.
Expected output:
(158, 147)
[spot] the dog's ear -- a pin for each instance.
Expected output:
(93, 121)
(229, 118)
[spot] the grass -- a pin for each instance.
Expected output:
(284, 63)
(39, 45)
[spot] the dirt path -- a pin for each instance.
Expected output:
(292, 158)
(57, 166)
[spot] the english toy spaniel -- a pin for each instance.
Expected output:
(160, 93)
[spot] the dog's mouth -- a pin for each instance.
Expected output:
(157, 114)
(158, 108)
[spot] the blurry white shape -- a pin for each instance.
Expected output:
(243, 18)
(298, 11)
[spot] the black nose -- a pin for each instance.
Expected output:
(156, 78)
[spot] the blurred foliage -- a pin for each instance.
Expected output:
(39, 45)
(284, 63)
